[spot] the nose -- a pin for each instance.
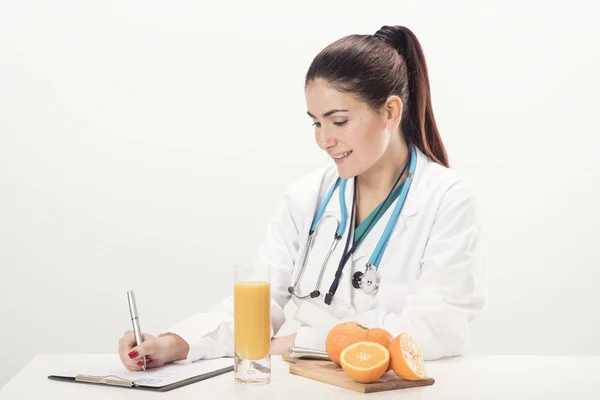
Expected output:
(325, 138)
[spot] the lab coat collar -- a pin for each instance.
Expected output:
(410, 209)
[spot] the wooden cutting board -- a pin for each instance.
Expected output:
(328, 372)
(290, 359)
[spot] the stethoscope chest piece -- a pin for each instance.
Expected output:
(368, 281)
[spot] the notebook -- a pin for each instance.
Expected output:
(161, 379)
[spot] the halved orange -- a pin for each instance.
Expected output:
(378, 335)
(365, 362)
(406, 359)
(341, 336)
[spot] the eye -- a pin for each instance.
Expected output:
(340, 123)
(317, 124)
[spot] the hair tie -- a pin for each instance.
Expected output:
(393, 37)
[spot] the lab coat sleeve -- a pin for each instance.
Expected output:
(450, 292)
(210, 334)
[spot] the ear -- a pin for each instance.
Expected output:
(392, 111)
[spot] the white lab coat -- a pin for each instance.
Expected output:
(433, 274)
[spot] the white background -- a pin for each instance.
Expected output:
(144, 145)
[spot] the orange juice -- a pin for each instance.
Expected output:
(252, 319)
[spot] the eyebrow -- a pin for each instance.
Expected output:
(328, 113)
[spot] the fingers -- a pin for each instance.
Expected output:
(126, 344)
(137, 364)
(131, 355)
(148, 347)
(127, 341)
(129, 364)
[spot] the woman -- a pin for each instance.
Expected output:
(369, 99)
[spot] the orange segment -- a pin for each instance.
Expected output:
(365, 361)
(406, 359)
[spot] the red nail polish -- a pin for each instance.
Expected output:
(140, 363)
(148, 361)
(133, 354)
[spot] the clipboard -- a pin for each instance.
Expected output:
(148, 380)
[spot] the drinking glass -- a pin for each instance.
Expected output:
(252, 324)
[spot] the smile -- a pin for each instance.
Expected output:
(343, 155)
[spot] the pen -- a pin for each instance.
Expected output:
(136, 322)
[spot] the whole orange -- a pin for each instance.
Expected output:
(341, 336)
(378, 335)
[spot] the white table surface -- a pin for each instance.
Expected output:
(481, 377)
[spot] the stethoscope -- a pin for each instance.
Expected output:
(370, 280)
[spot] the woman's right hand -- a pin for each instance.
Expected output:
(157, 350)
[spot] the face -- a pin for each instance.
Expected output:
(353, 135)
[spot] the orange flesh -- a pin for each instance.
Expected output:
(412, 355)
(365, 356)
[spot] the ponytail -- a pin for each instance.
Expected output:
(418, 123)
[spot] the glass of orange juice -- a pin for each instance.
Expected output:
(252, 324)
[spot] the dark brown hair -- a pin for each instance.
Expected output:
(374, 67)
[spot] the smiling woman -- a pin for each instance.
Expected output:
(410, 257)
(365, 116)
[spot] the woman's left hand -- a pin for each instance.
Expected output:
(281, 345)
